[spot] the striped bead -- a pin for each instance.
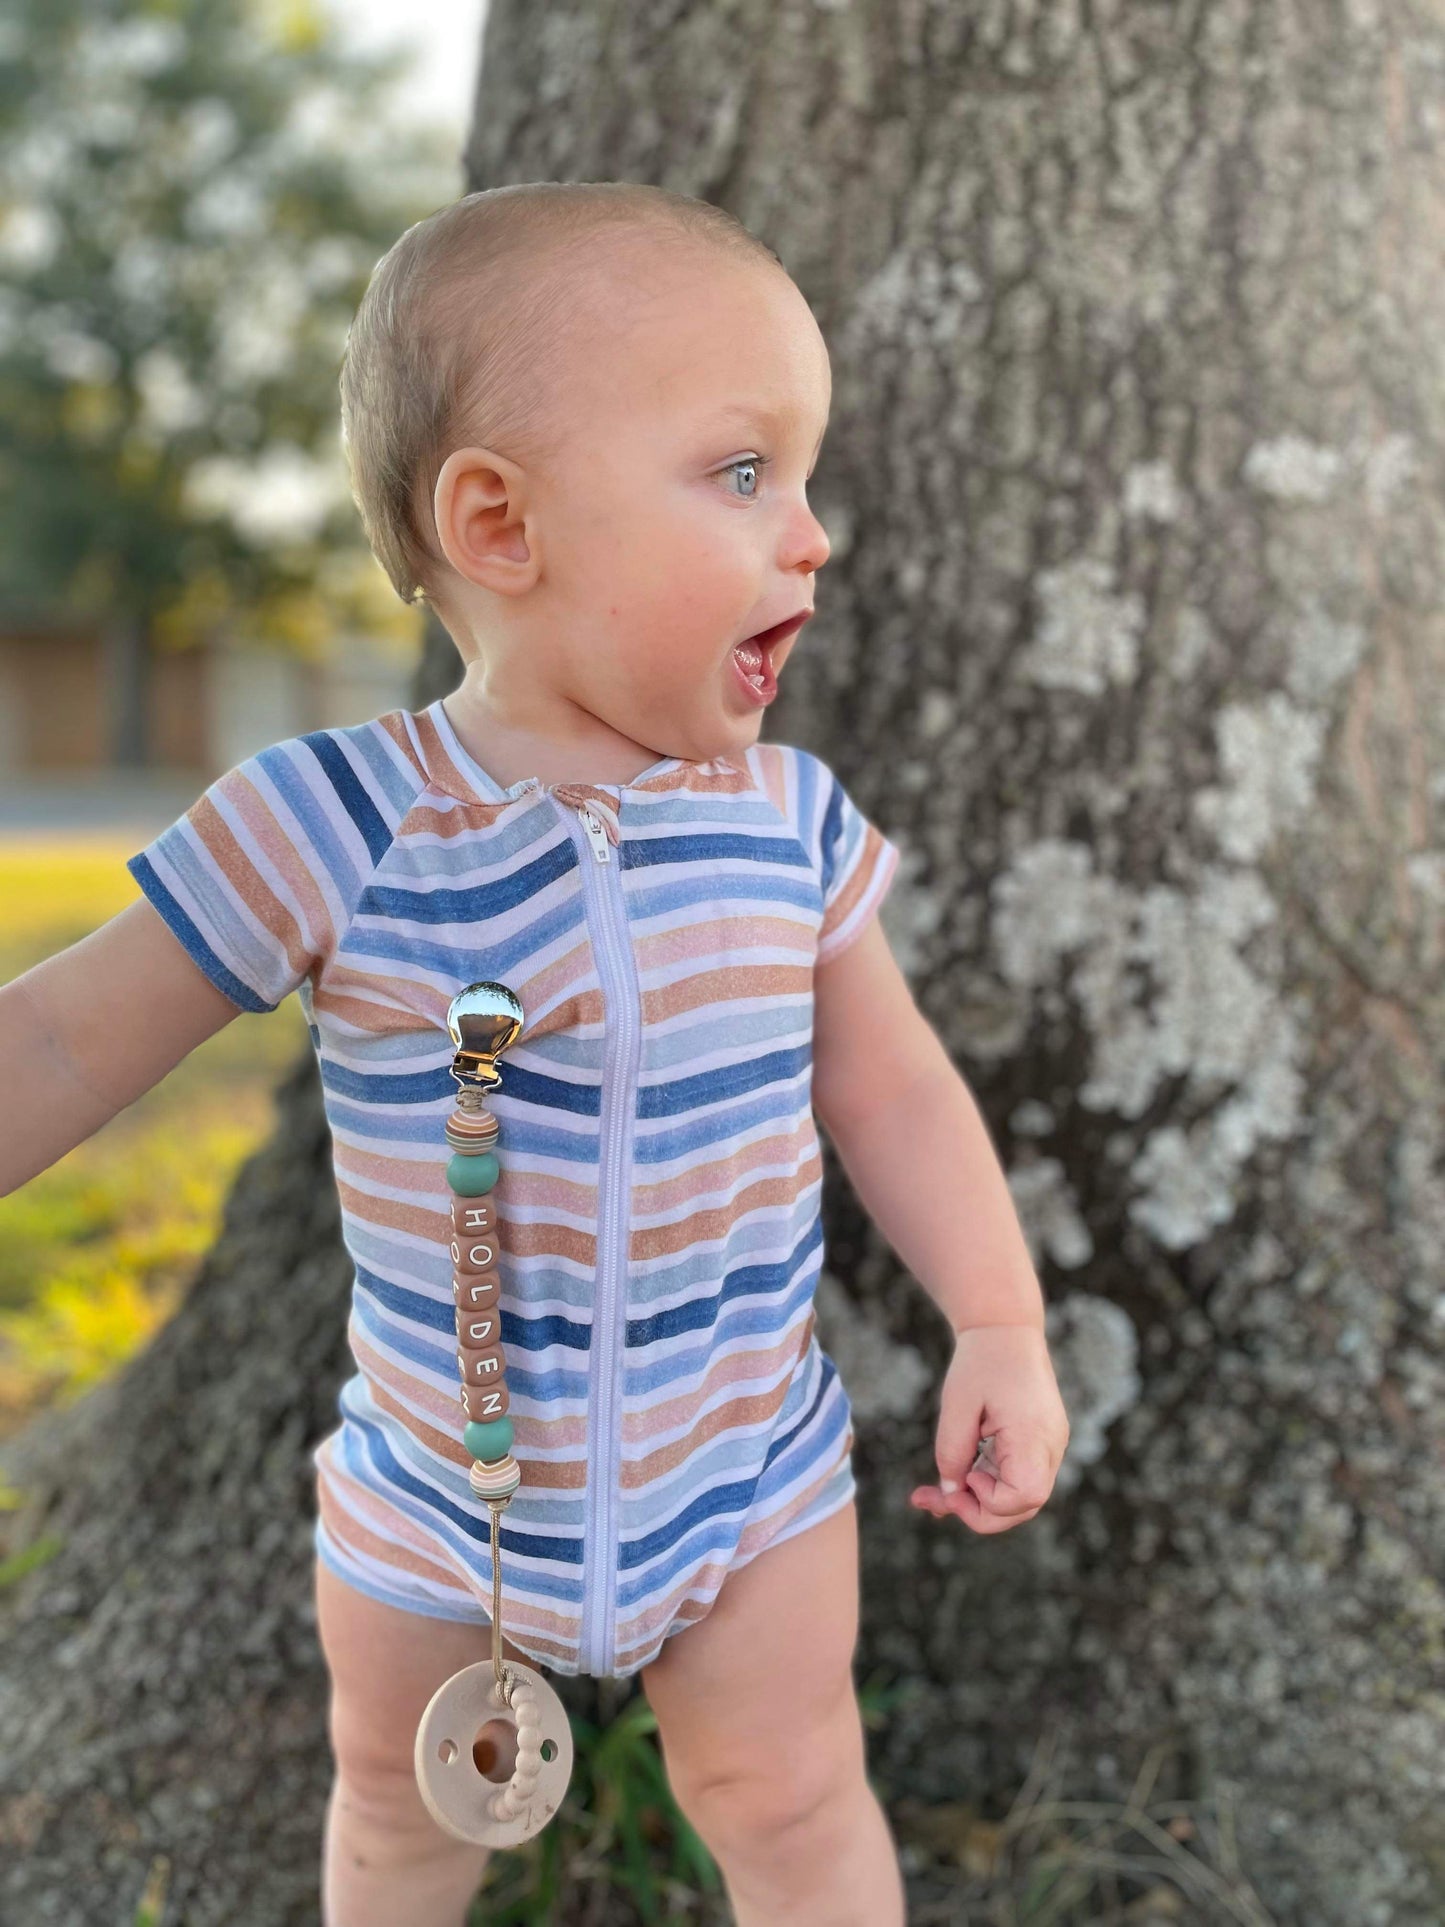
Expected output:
(488, 1442)
(472, 1130)
(497, 1481)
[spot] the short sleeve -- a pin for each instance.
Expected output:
(260, 877)
(856, 861)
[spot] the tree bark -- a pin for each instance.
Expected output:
(163, 1689)
(1130, 638)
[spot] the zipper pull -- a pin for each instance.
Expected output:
(596, 835)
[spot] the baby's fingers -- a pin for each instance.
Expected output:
(1020, 1482)
(987, 1522)
(965, 1505)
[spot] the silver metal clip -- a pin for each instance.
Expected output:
(483, 1020)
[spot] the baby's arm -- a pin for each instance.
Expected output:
(91, 1029)
(914, 1143)
(919, 1155)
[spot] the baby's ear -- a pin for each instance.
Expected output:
(481, 507)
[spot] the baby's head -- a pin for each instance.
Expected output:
(580, 418)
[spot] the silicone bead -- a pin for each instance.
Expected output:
(471, 1177)
(479, 1365)
(473, 1217)
(488, 1441)
(475, 1290)
(473, 1254)
(486, 1402)
(479, 1329)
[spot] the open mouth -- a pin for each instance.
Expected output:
(754, 658)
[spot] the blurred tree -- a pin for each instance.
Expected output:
(192, 196)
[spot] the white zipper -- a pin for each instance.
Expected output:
(596, 835)
(622, 1007)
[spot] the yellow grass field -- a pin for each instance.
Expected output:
(98, 1251)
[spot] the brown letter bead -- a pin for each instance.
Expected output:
(480, 1366)
(473, 1217)
(479, 1330)
(483, 1402)
(475, 1290)
(473, 1254)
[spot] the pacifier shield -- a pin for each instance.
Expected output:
(467, 1709)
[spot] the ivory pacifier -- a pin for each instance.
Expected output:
(490, 1773)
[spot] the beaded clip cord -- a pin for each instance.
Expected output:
(493, 1751)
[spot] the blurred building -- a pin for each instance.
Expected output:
(72, 701)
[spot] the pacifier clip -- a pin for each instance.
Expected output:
(495, 1717)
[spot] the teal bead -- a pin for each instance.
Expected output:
(489, 1441)
(472, 1174)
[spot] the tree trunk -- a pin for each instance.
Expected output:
(1133, 599)
(163, 1688)
(1131, 635)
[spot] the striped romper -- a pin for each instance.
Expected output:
(660, 1170)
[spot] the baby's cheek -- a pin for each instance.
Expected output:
(663, 664)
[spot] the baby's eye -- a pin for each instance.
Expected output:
(758, 462)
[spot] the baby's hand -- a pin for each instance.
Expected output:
(1000, 1401)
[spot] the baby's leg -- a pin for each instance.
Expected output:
(763, 1742)
(386, 1860)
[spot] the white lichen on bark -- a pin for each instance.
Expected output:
(1268, 753)
(1088, 637)
(1049, 1213)
(1095, 1351)
(1292, 469)
(910, 913)
(1152, 492)
(1167, 989)
(884, 1378)
(1323, 651)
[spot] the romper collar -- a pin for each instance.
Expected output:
(454, 770)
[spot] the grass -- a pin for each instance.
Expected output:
(98, 1251)
(618, 1833)
(1053, 1862)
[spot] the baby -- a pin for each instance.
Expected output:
(580, 421)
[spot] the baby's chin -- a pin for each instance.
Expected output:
(735, 731)
(701, 739)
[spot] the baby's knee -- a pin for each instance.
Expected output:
(381, 1827)
(374, 1795)
(383, 1807)
(386, 1859)
(790, 1801)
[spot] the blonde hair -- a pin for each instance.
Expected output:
(463, 326)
